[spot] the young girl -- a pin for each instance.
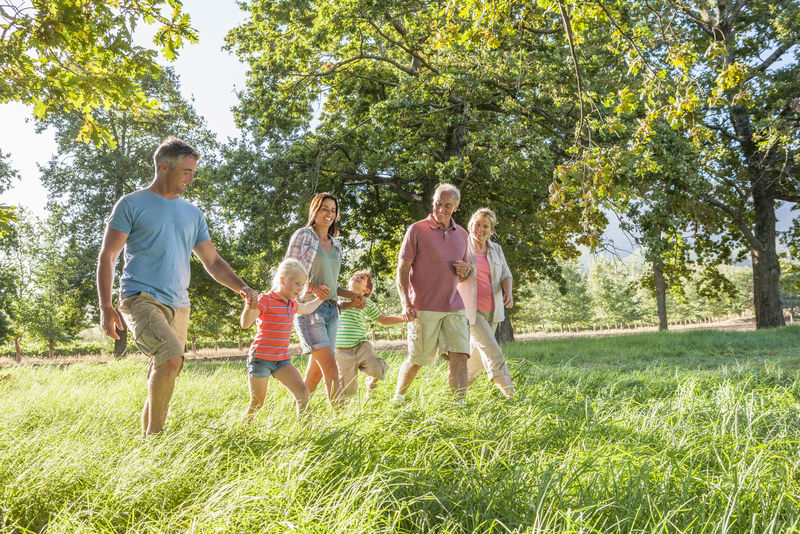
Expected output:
(269, 352)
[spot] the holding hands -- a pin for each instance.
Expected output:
(357, 301)
(462, 269)
(250, 296)
(322, 292)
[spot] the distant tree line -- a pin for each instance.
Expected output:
(683, 122)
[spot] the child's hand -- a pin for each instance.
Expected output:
(322, 292)
(250, 296)
(358, 302)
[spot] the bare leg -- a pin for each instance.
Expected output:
(313, 373)
(504, 385)
(458, 374)
(406, 375)
(258, 392)
(160, 385)
(323, 365)
(146, 408)
(372, 385)
(289, 376)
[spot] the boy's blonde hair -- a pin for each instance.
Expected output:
(369, 279)
(287, 267)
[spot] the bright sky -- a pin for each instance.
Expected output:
(207, 73)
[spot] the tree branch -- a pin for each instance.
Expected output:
(409, 51)
(570, 40)
(738, 218)
(353, 59)
(775, 56)
(721, 130)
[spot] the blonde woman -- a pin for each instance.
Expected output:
(486, 295)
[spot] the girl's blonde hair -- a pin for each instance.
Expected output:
(288, 267)
(483, 212)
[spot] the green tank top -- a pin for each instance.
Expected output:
(325, 269)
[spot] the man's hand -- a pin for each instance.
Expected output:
(508, 300)
(110, 321)
(322, 292)
(409, 313)
(462, 268)
(250, 296)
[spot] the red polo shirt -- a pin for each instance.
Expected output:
(274, 325)
(433, 250)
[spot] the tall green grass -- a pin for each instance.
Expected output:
(663, 432)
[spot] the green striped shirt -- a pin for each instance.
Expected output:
(353, 325)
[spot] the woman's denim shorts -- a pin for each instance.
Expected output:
(258, 368)
(318, 330)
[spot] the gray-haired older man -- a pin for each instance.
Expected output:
(159, 231)
(431, 263)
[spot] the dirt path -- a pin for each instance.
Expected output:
(210, 355)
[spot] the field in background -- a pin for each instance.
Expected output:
(694, 431)
(397, 342)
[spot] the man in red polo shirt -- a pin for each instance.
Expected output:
(432, 261)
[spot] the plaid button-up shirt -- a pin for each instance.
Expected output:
(303, 247)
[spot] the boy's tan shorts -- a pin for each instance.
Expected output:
(433, 333)
(159, 330)
(359, 357)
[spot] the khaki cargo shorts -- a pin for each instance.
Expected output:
(359, 357)
(433, 333)
(159, 330)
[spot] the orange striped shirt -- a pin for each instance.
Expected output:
(274, 325)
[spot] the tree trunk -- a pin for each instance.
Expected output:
(766, 293)
(766, 269)
(121, 344)
(505, 331)
(51, 347)
(661, 295)
(17, 350)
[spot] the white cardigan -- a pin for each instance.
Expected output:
(498, 271)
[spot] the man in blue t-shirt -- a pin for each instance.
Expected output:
(159, 230)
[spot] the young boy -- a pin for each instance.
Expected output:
(353, 351)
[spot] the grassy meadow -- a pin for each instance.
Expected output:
(695, 431)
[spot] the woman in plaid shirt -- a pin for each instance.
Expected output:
(315, 246)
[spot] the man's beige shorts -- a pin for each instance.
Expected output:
(433, 333)
(158, 330)
(486, 353)
(359, 357)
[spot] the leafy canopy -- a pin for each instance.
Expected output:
(79, 55)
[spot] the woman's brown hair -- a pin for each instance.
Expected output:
(316, 204)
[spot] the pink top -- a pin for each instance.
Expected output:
(432, 251)
(274, 325)
(485, 295)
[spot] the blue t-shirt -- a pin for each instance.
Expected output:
(161, 235)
